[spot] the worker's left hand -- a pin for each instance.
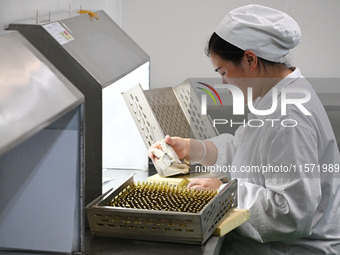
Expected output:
(205, 183)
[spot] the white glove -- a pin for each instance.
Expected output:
(168, 162)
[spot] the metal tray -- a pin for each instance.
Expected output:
(165, 226)
(168, 111)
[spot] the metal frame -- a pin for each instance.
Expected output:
(168, 111)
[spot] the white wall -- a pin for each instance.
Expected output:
(174, 34)
(16, 10)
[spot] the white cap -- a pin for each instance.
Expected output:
(269, 33)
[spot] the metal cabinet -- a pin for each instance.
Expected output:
(41, 155)
(102, 61)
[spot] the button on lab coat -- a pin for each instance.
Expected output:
(295, 209)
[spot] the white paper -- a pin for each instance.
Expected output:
(58, 32)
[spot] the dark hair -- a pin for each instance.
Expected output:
(230, 52)
(223, 49)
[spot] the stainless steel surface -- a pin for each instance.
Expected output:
(107, 53)
(110, 245)
(201, 125)
(100, 47)
(28, 82)
(168, 111)
(165, 226)
(100, 54)
(41, 152)
(143, 115)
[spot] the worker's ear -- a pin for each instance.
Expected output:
(250, 60)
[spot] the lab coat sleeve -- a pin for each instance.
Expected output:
(226, 150)
(283, 208)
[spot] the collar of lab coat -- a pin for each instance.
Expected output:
(266, 102)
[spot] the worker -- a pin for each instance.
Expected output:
(296, 208)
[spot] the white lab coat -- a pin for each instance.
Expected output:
(294, 212)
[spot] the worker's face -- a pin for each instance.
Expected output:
(227, 69)
(231, 74)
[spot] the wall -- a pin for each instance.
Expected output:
(16, 10)
(174, 34)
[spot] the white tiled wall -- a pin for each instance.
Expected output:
(174, 34)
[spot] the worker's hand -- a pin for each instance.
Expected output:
(180, 145)
(205, 183)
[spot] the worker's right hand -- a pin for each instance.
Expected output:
(180, 145)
